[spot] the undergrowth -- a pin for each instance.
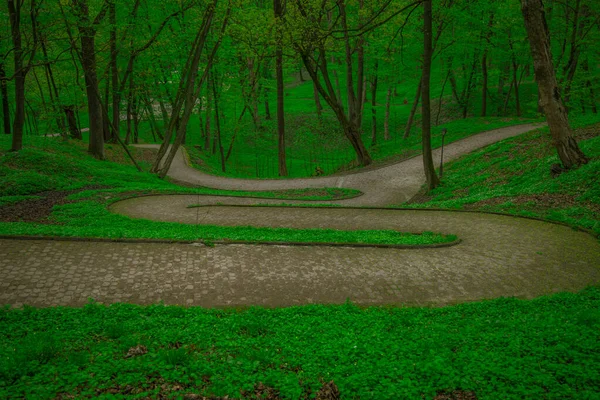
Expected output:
(504, 348)
(513, 176)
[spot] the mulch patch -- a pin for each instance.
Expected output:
(38, 210)
(456, 395)
(166, 390)
(420, 198)
(587, 132)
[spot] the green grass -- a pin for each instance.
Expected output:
(504, 348)
(54, 165)
(513, 176)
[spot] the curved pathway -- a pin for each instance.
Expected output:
(499, 255)
(392, 184)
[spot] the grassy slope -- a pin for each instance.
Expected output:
(513, 176)
(56, 166)
(505, 348)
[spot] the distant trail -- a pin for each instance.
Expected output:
(499, 255)
(391, 184)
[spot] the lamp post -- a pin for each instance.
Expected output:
(444, 131)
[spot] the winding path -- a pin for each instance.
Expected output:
(499, 255)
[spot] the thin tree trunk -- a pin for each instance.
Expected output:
(106, 122)
(432, 179)
(318, 105)
(588, 84)
(568, 151)
(516, 86)
(129, 110)
(278, 11)
(187, 95)
(5, 106)
(501, 81)
(218, 123)
(466, 94)
(116, 98)
(413, 110)
(14, 12)
(573, 61)
(373, 105)
(235, 132)
(88, 61)
(437, 116)
(386, 122)
(208, 115)
(484, 70)
(267, 108)
(74, 131)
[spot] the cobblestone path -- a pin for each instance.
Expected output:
(499, 255)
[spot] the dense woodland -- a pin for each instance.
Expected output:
(341, 76)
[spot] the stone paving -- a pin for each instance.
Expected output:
(499, 256)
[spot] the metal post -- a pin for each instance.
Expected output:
(444, 131)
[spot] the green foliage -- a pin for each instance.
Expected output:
(520, 348)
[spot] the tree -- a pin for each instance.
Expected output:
(278, 11)
(21, 68)
(87, 31)
(432, 179)
(537, 31)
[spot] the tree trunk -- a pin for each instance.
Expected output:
(386, 122)
(72, 123)
(413, 110)
(208, 116)
(218, 126)
(318, 105)
(267, 107)
(14, 11)
(537, 31)
(432, 179)
(588, 84)
(5, 106)
(501, 81)
(106, 121)
(116, 98)
(516, 86)
(88, 61)
(187, 93)
(278, 11)
(373, 104)
(484, 70)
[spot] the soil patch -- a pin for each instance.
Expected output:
(421, 197)
(38, 210)
(587, 132)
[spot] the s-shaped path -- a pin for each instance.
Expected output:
(499, 255)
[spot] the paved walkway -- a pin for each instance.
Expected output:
(393, 184)
(499, 256)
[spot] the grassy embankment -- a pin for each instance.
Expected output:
(53, 188)
(513, 176)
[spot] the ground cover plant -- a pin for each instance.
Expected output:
(504, 348)
(53, 189)
(513, 176)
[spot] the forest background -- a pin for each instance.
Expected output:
(205, 73)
